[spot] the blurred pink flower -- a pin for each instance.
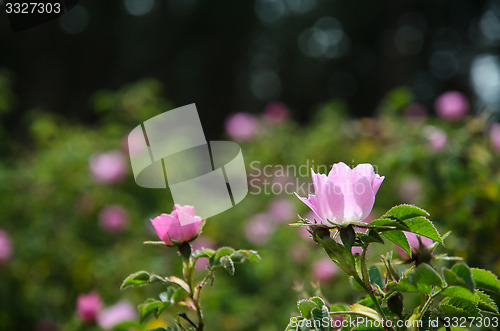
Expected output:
(495, 136)
(416, 113)
(438, 140)
(259, 228)
(344, 196)
(242, 126)
(275, 112)
(282, 210)
(324, 269)
(451, 105)
(202, 242)
(5, 246)
(414, 243)
(88, 306)
(132, 145)
(113, 218)
(120, 312)
(108, 167)
(181, 225)
(410, 190)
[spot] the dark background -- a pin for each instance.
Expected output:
(229, 56)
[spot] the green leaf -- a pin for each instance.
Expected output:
(399, 238)
(406, 211)
(374, 234)
(425, 274)
(460, 304)
(363, 239)
(375, 276)
(486, 280)
(294, 321)
(243, 256)
(460, 292)
(366, 311)
(152, 306)
(228, 264)
(404, 285)
(387, 224)
(305, 307)
(347, 235)
(140, 278)
(422, 226)
(339, 254)
(452, 279)
(318, 301)
(223, 251)
(204, 252)
(126, 326)
(339, 307)
(485, 302)
(463, 272)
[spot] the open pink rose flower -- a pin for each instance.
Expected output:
(180, 226)
(345, 196)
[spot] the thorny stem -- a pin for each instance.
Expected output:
(188, 272)
(183, 315)
(365, 283)
(430, 300)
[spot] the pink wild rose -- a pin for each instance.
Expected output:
(451, 105)
(324, 269)
(113, 218)
(5, 246)
(120, 312)
(495, 136)
(345, 196)
(180, 226)
(275, 112)
(109, 167)
(437, 138)
(242, 126)
(88, 306)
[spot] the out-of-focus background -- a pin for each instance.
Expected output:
(412, 87)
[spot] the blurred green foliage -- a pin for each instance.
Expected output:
(50, 205)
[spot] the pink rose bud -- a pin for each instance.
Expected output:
(180, 226)
(324, 269)
(88, 306)
(242, 126)
(109, 167)
(5, 246)
(495, 136)
(438, 140)
(451, 105)
(259, 228)
(120, 312)
(345, 196)
(414, 244)
(113, 218)
(282, 210)
(275, 112)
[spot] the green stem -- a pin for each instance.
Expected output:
(366, 285)
(188, 272)
(429, 301)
